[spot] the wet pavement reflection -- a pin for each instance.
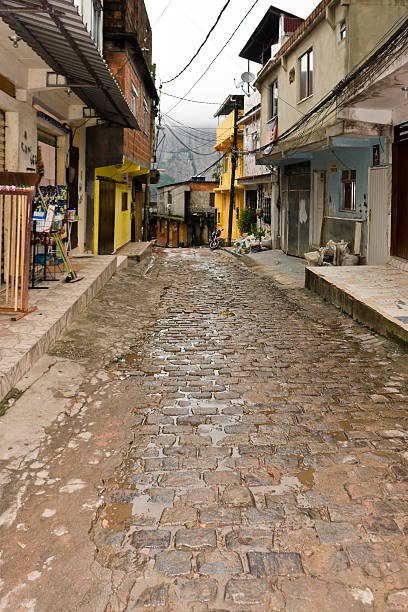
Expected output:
(268, 468)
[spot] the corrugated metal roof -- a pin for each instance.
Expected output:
(55, 30)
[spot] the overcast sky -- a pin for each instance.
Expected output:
(177, 34)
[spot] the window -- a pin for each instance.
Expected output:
(251, 199)
(225, 203)
(96, 23)
(145, 115)
(169, 197)
(124, 201)
(134, 97)
(306, 74)
(212, 199)
(219, 217)
(255, 141)
(267, 210)
(343, 30)
(348, 179)
(226, 163)
(273, 93)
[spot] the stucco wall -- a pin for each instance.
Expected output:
(176, 207)
(330, 57)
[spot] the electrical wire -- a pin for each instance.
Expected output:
(218, 54)
(214, 164)
(202, 44)
(162, 13)
(200, 137)
(184, 144)
(188, 100)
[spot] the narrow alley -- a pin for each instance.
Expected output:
(216, 442)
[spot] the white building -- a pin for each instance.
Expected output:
(54, 83)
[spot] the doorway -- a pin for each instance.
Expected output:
(106, 233)
(296, 208)
(319, 200)
(399, 213)
(377, 243)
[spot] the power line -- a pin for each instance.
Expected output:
(162, 13)
(202, 44)
(187, 100)
(214, 164)
(184, 144)
(218, 54)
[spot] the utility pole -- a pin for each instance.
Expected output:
(234, 157)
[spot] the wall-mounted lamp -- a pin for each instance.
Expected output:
(15, 39)
(405, 90)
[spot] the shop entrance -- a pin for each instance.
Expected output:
(106, 226)
(399, 215)
(47, 157)
(73, 191)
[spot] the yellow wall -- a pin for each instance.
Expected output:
(122, 230)
(224, 135)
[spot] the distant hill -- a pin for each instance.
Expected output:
(184, 152)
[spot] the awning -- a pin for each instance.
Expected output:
(54, 30)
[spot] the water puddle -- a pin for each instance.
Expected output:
(306, 477)
(116, 516)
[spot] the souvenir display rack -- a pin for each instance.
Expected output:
(16, 190)
(49, 213)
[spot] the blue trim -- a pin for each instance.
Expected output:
(54, 122)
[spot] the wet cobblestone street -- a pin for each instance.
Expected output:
(269, 462)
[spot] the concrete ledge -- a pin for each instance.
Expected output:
(356, 306)
(23, 342)
(136, 250)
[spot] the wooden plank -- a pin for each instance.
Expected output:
(18, 246)
(7, 222)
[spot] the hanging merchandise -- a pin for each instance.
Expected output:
(56, 199)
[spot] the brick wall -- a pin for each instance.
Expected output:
(135, 143)
(129, 16)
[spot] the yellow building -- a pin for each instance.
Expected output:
(225, 139)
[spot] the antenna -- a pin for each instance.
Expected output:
(246, 79)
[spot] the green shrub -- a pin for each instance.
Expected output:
(246, 220)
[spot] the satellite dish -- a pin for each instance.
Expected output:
(268, 149)
(247, 77)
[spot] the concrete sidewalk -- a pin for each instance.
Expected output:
(23, 342)
(376, 296)
(284, 269)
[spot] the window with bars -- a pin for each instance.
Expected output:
(134, 97)
(145, 115)
(266, 207)
(348, 200)
(306, 74)
(273, 92)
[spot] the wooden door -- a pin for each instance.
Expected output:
(175, 234)
(399, 215)
(106, 217)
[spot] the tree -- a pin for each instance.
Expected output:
(246, 220)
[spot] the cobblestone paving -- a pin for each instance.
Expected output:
(268, 469)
